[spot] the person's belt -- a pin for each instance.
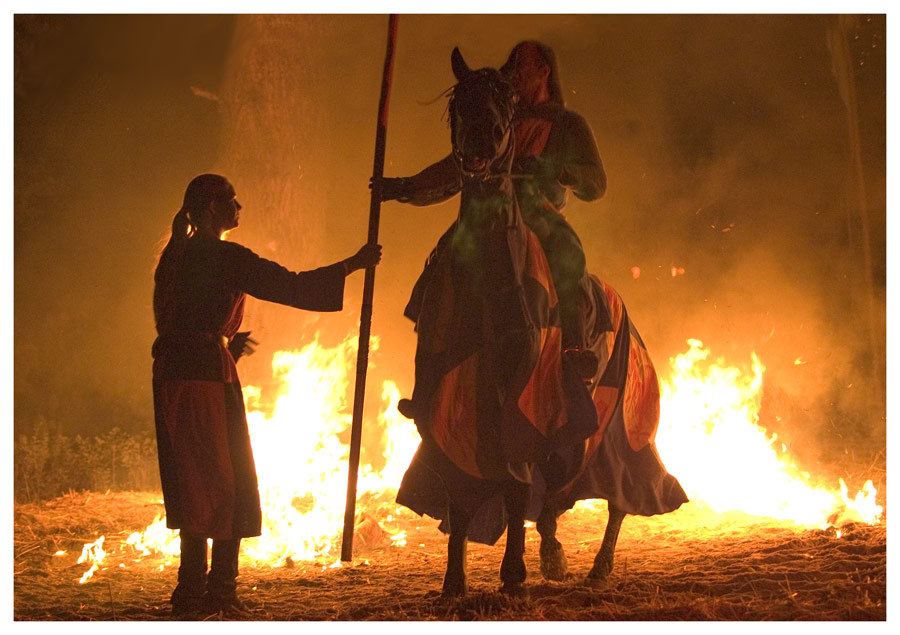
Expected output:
(215, 337)
(207, 335)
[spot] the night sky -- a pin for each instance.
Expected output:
(726, 141)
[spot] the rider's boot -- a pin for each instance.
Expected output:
(409, 409)
(583, 360)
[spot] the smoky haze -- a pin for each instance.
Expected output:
(732, 188)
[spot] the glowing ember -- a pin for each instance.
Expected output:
(710, 439)
(677, 271)
(635, 272)
(399, 540)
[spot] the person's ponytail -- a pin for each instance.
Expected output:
(199, 193)
(167, 269)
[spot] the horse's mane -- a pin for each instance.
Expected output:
(448, 93)
(494, 79)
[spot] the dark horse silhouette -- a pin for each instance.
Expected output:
(509, 430)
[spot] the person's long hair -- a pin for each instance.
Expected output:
(200, 191)
(554, 86)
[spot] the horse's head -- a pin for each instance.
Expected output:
(481, 112)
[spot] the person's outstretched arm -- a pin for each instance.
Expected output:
(434, 184)
(320, 289)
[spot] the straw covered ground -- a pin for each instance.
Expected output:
(688, 565)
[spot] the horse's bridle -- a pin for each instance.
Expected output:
(508, 105)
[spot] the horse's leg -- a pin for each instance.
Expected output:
(455, 577)
(553, 557)
(512, 569)
(603, 562)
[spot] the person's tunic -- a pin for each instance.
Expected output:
(205, 458)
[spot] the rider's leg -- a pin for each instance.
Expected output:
(565, 256)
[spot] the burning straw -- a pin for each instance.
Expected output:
(709, 438)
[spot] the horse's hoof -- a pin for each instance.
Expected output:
(595, 582)
(601, 570)
(453, 594)
(454, 588)
(553, 561)
(514, 590)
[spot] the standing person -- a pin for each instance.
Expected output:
(205, 458)
(555, 150)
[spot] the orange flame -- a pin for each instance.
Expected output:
(301, 463)
(94, 553)
(709, 438)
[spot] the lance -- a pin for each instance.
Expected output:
(365, 318)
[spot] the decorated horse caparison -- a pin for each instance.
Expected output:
(510, 430)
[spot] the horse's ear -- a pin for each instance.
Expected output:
(460, 68)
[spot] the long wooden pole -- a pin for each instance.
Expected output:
(365, 318)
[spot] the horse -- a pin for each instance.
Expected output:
(510, 430)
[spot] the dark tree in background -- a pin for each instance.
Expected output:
(106, 128)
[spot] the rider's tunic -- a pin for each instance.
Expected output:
(555, 147)
(595, 445)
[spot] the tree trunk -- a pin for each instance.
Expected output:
(842, 68)
(271, 134)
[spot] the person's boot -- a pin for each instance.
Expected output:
(188, 597)
(221, 586)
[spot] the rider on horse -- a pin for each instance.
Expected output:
(509, 429)
(555, 149)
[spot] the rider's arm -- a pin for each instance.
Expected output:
(582, 170)
(434, 184)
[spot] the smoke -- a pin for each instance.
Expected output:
(107, 134)
(724, 139)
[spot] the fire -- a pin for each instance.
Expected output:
(710, 438)
(94, 553)
(302, 464)
(155, 538)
